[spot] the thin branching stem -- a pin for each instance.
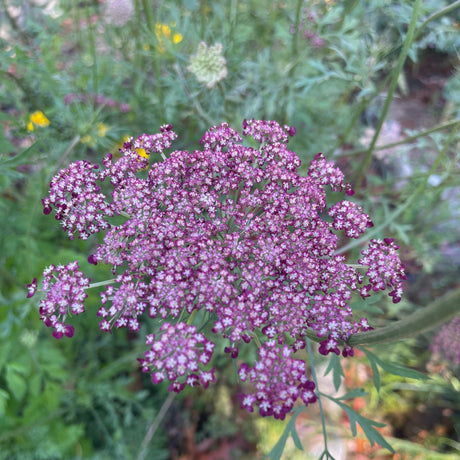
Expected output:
(154, 426)
(315, 380)
(437, 14)
(394, 82)
(399, 210)
(408, 139)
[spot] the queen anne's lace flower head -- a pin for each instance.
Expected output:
(231, 231)
(208, 65)
(119, 12)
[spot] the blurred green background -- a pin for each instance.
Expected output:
(76, 77)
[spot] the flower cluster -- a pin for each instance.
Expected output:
(37, 118)
(208, 65)
(447, 342)
(350, 217)
(234, 232)
(307, 25)
(119, 12)
(65, 294)
(385, 268)
(178, 355)
(164, 35)
(278, 381)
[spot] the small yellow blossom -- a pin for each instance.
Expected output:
(163, 34)
(37, 118)
(177, 38)
(142, 153)
(87, 140)
(102, 129)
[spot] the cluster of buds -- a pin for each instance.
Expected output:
(208, 65)
(231, 231)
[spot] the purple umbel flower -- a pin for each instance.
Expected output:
(231, 231)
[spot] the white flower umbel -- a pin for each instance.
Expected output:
(208, 65)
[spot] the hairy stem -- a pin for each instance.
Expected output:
(435, 314)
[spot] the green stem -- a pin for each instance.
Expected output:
(435, 314)
(92, 48)
(294, 60)
(100, 283)
(394, 82)
(233, 19)
(137, 37)
(63, 158)
(203, 8)
(196, 105)
(147, 7)
(357, 113)
(404, 141)
(150, 19)
(192, 317)
(295, 35)
(436, 15)
(154, 426)
(416, 194)
(315, 380)
(224, 99)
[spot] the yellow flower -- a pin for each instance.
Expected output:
(163, 34)
(37, 118)
(87, 140)
(142, 153)
(102, 129)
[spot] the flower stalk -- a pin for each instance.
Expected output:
(436, 313)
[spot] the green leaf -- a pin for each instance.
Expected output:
(4, 396)
(35, 385)
(5, 352)
(366, 424)
(337, 371)
(356, 393)
(277, 451)
(295, 437)
(375, 369)
(367, 304)
(22, 158)
(393, 368)
(16, 382)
